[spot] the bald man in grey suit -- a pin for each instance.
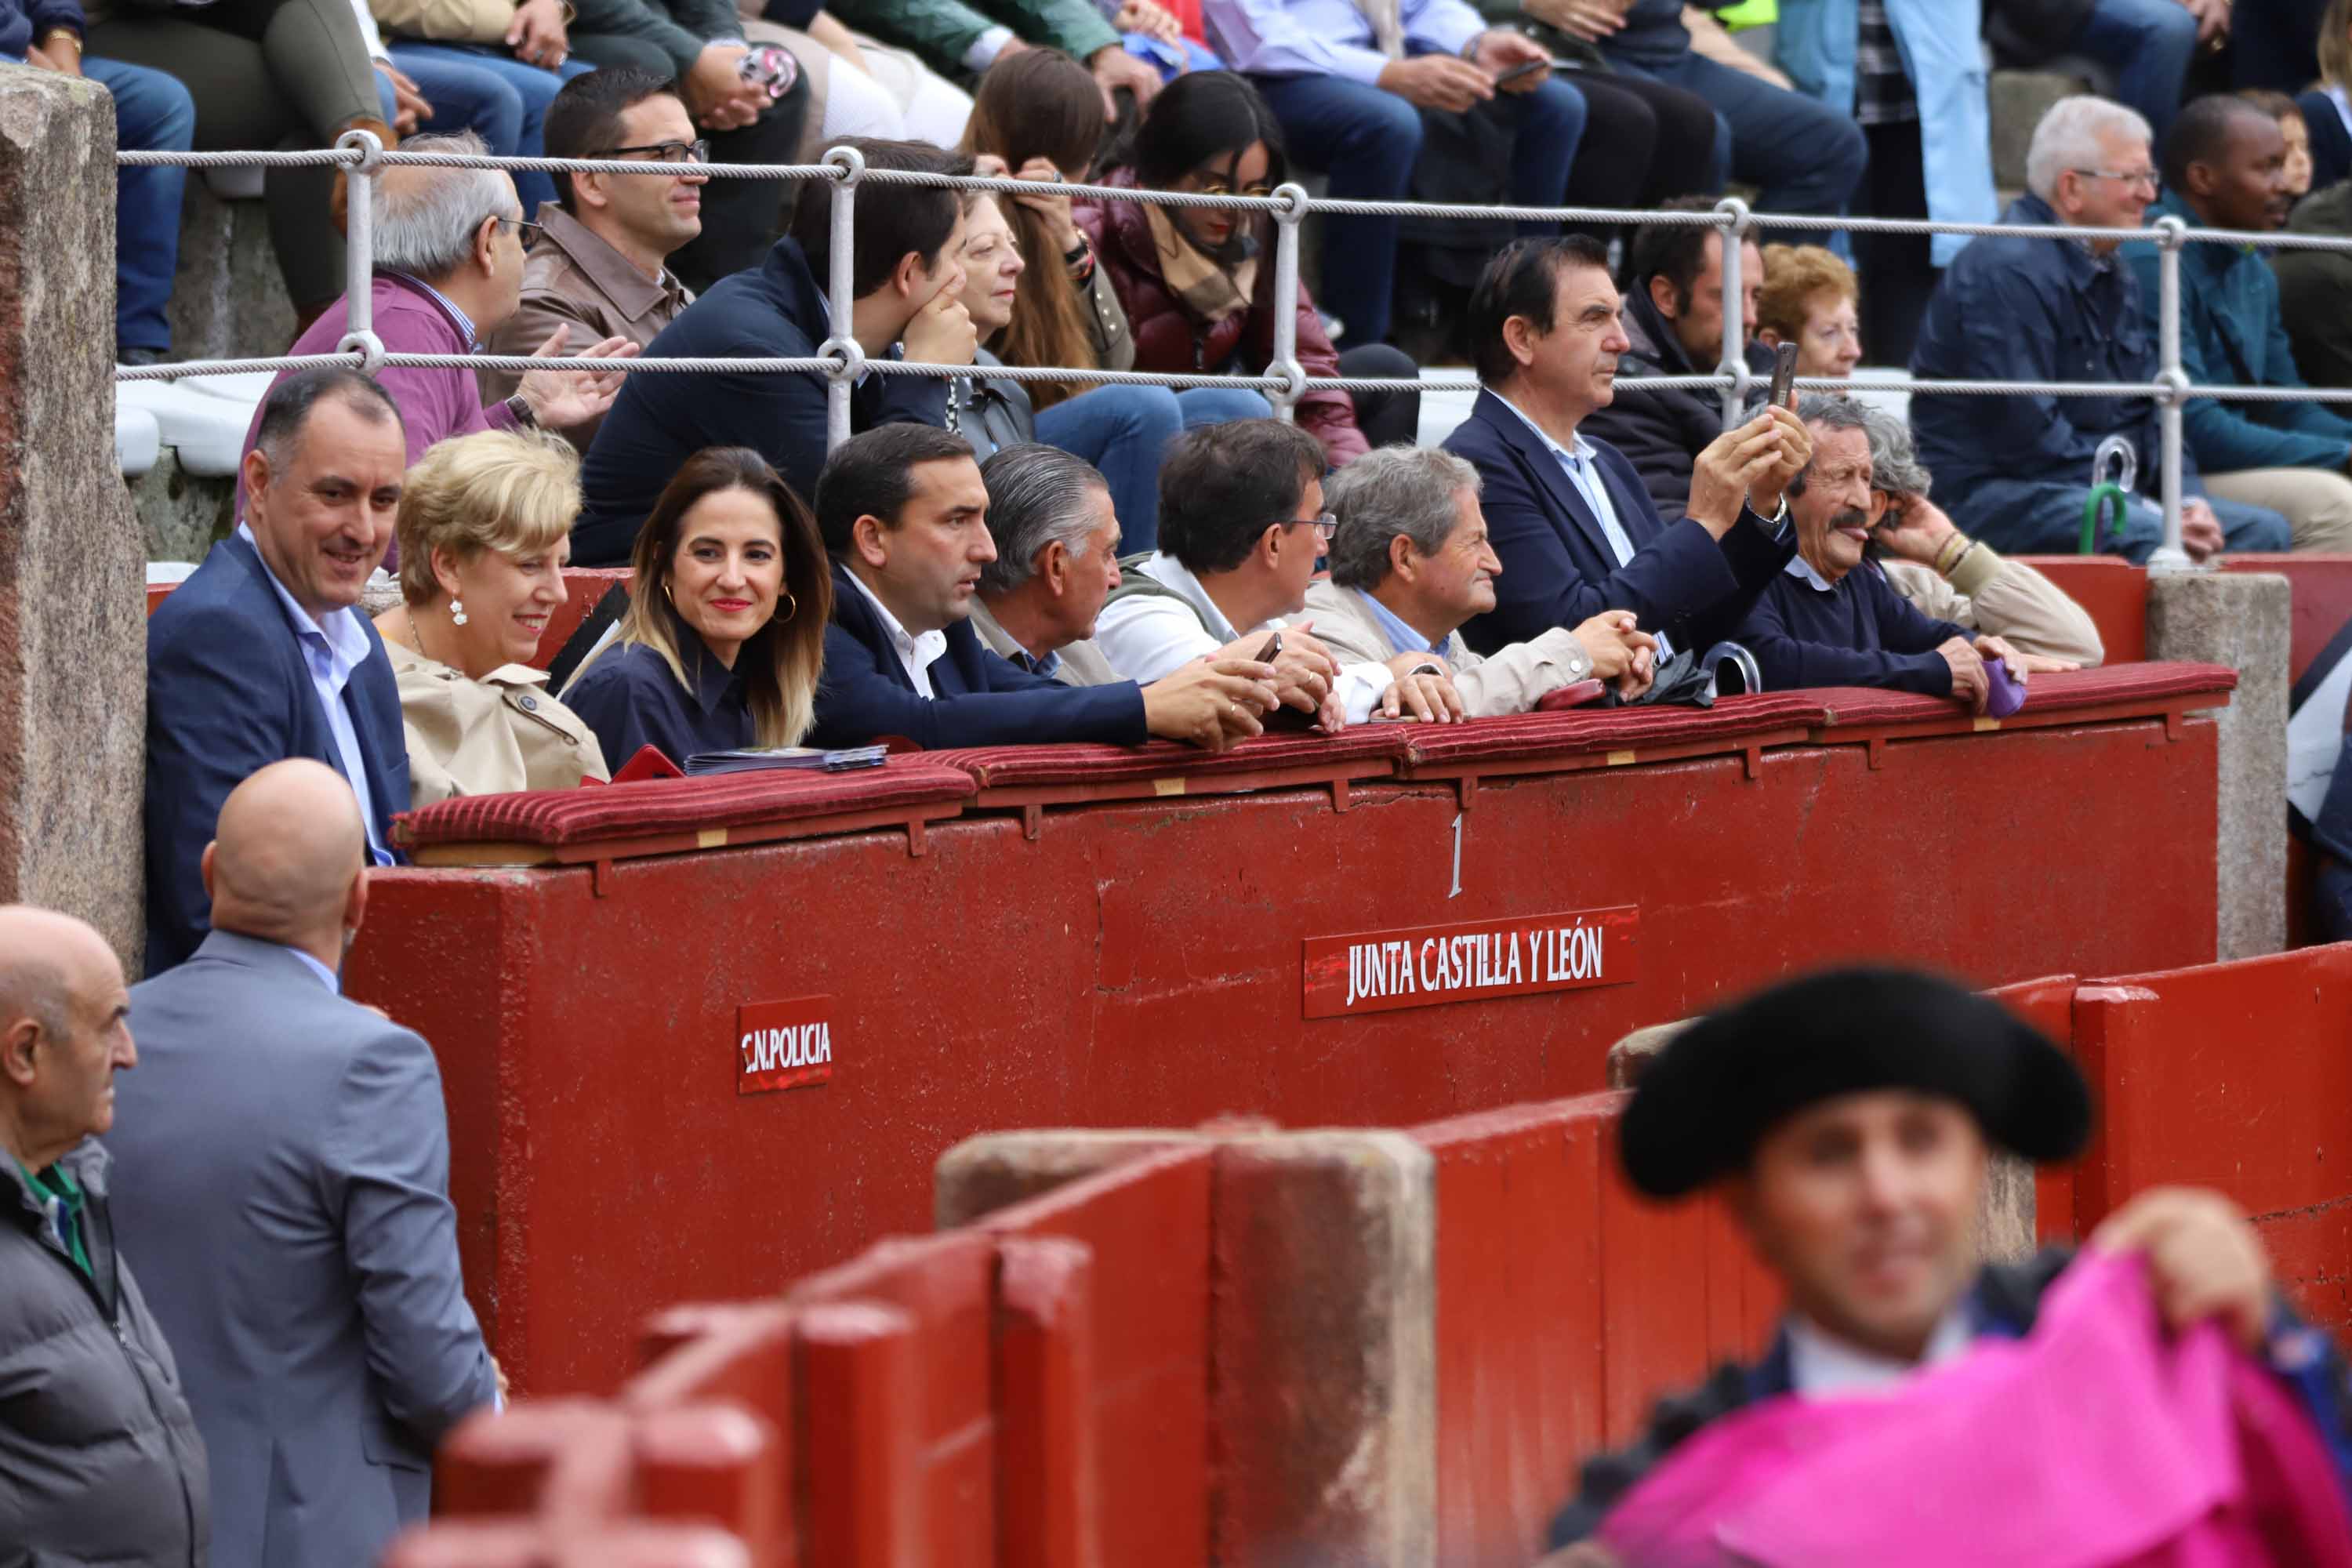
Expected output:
(282, 1161)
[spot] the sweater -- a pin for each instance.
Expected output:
(1855, 632)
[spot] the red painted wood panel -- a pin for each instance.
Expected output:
(2112, 590)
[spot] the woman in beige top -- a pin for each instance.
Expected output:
(485, 530)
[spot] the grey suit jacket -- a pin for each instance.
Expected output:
(1513, 682)
(282, 1177)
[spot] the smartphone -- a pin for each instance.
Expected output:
(1784, 374)
(1272, 650)
(1523, 68)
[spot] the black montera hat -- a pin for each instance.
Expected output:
(1703, 1104)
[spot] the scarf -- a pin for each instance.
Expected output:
(1209, 291)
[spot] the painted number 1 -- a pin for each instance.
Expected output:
(1457, 857)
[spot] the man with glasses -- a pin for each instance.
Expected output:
(1242, 525)
(600, 271)
(449, 272)
(2016, 470)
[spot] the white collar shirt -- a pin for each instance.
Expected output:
(915, 654)
(1823, 1366)
(1803, 569)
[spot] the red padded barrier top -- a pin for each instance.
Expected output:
(1579, 733)
(662, 808)
(2053, 691)
(1004, 767)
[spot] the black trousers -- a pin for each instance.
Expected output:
(1644, 142)
(1386, 418)
(1898, 270)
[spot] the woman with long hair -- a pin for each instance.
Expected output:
(1197, 283)
(724, 636)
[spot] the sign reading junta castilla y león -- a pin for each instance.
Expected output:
(1423, 966)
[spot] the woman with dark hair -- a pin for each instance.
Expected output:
(1197, 283)
(724, 635)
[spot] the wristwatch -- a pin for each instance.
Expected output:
(520, 406)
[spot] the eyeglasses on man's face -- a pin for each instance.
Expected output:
(526, 232)
(664, 151)
(1324, 524)
(2146, 179)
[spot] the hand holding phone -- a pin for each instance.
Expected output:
(1521, 71)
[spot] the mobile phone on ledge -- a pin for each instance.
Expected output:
(1784, 374)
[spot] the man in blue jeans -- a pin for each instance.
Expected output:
(2149, 45)
(153, 113)
(485, 89)
(1348, 92)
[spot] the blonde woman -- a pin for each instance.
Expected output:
(724, 635)
(485, 530)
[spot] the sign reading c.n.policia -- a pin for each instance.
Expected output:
(1423, 966)
(783, 1045)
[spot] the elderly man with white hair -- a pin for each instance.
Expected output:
(2036, 308)
(449, 272)
(1410, 563)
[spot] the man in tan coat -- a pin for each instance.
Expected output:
(1410, 564)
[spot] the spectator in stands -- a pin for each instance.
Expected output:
(485, 529)
(904, 512)
(262, 73)
(2314, 288)
(1833, 618)
(705, 660)
(2273, 43)
(1350, 84)
(2331, 833)
(1056, 536)
(2149, 45)
(599, 271)
(449, 268)
(1410, 563)
(957, 39)
(2224, 168)
(261, 655)
(860, 86)
(153, 113)
(1947, 575)
(1576, 532)
(2027, 308)
(1840, 1111)
(1809, 299)
(284, 1160)
(1242, 523)
(99, 1457)
(1806, 157)
(2295, 131)
(478, 87)
(909, 290)
(1197, 284)
(747, 115)
(2327, 107)
(1644, 142)
(1673, 326)
(1122, 430)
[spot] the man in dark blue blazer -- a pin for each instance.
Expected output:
(904, 512)
(1573, 524)
(262, 655)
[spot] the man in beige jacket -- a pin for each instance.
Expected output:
(1947, 576)
(1410, 563)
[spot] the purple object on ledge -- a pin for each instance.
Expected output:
(2006, 693)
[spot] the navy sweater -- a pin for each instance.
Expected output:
(1858, 633)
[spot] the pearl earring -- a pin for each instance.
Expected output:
(458, 612)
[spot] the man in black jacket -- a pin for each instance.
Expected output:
(1673, 323)
(100, 1460)
(907, 285)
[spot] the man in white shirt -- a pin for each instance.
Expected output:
(1241, 526)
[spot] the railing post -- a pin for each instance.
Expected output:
(2171, 233)
(1734, 325)
(1285, 365)
(841, 284)
(358, 250)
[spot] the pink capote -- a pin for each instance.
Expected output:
(2096, 1443)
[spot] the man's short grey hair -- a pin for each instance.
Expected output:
(1835, 411)
(424, 219)
(1895, 465)
(2067, 137)
(1396, 490)
(1037, 496)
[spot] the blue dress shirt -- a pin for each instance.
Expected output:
(1402, 637)
(1330, 38)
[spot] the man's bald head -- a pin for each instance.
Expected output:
(289, 846)
(47, 959)
(63, 1032)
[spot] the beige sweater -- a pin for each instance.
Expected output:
(1989, 593)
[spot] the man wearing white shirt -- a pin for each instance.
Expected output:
(1241, 526)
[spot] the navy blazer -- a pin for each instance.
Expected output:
(228, 693)
(1558, 567)
(980, 699)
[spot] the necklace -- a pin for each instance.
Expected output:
(414, 635)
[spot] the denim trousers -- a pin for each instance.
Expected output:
(1125, 431)
(500, 99)
(153, 113)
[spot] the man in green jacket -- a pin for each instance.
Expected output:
(2224, 168)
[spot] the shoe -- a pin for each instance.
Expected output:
(142, 356)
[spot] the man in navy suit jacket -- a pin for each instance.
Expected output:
(905, 513)
(1573, 524)
(262, 655)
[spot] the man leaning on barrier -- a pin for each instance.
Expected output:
(904, 512)
(1849, 1119)
(907, 285)
(2034, 308)
(1411, 562)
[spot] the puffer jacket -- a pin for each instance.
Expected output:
(100, 1459)
(1169, 340)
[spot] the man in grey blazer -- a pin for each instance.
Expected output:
(282, 1161)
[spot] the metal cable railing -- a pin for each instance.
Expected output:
(843, 360)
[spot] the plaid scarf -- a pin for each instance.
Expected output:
(1209, 291)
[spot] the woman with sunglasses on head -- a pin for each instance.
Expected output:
(724, 635)
(1197, 283)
